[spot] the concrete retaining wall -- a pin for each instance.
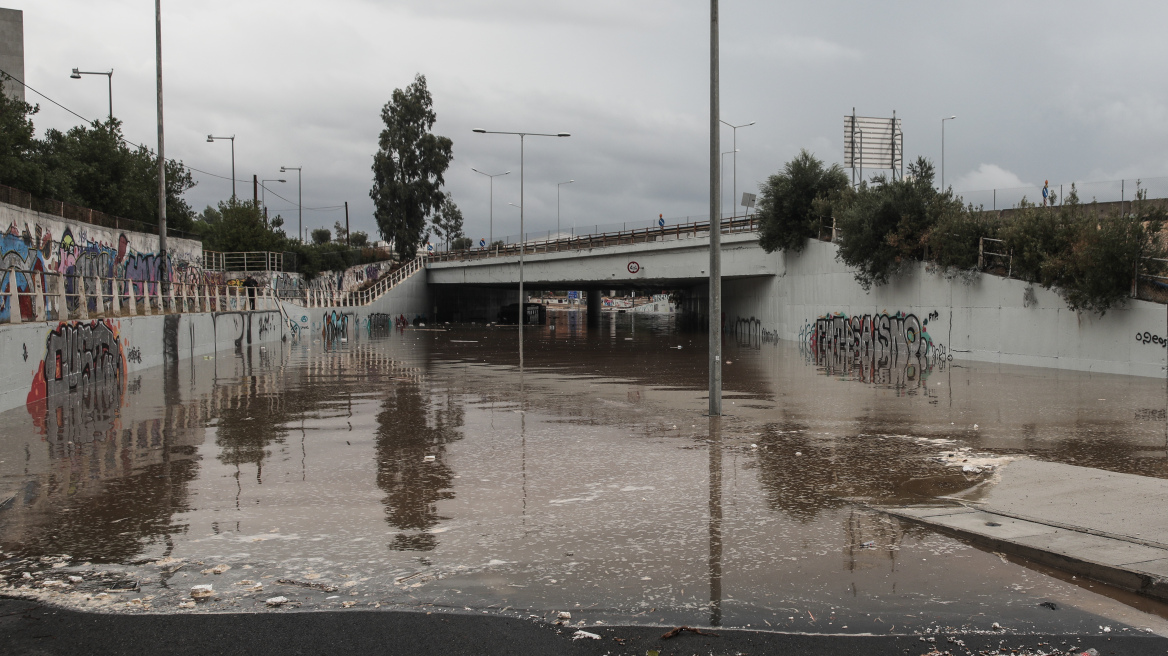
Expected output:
(816, 299)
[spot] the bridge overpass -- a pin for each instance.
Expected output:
(475, 283)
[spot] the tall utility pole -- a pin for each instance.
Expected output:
(255, 189)
(299, 197)
(163, 269)
(491, 229)
(734, 193)
(348, 242)
(715, 348)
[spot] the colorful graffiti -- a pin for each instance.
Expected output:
(81, 378)
(879, 348)
(80, 250)
(336, 324)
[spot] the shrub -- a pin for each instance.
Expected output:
(788, 210)
(888, 223)
(955, 239)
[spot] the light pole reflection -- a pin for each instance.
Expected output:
(715, 562)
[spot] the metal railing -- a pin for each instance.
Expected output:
(983, 254)
(243, 261)
(317, 298)
(635, 236)
(83, 214)
(50, 296)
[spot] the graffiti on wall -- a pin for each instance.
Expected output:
(879, 348)
(81, 378)
(79, 250)
(336, 324)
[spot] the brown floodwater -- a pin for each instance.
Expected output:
(423, 469)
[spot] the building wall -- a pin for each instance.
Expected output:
(12, 50)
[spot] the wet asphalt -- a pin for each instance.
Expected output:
(32, 628)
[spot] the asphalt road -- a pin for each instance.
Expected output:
(32, 628)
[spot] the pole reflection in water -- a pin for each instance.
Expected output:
(715, 560)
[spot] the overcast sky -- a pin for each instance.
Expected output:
(1043, 90)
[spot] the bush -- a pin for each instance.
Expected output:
(461, 243)
(789, 211)
(955, 239)
(888, 223)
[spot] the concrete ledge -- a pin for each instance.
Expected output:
(1135, 567)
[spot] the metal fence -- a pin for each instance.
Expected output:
(84, 215)
(1105, 191)
(245, 261)
(594, 240)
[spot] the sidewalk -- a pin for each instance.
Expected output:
(1101, 525)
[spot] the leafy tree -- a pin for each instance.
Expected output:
(359, 239)
(91, 166)
(1034, 235)
(889, 221)
(237, 226)
(321, 236)
(447, 221)
(953, 241)
(788, 210)
(408, 168)
(18, 145)
(461, 243)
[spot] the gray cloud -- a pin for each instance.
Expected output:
(1061, 91)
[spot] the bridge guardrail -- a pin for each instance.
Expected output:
(316, 298)
(636, 236)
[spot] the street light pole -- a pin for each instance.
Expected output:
(558, 185)
(491, 229)
(264, 195)
(720, 174)
(232, 140)
(522, 136)
(943, 151)
(734, 193)
(299, 198)
(164, 269)
(715, 346)
(76, 75)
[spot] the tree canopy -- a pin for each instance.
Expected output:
(91, 166)
(408, 168)
(447, 221)
(792, 208)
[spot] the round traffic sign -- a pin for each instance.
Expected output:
(634, 267)
(482, 243)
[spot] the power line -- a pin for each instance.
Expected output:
(8, 76)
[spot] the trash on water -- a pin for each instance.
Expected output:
(870, 544)
(584, 634)
(1090, 652)
(202, 591)
(428, 459)
(798, 453)
(276, 601)
(971, 469)
(564, 615)
(218, 569)
(75, 579)
(995, 626)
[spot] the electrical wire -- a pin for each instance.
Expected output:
(8, 76)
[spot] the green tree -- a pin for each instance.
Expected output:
(18, 145)
(238, 226)
(359, 239)
(321, 236)
(888, 223)
(788, 210)
(408, 168)
(461, 243)
(447, 221)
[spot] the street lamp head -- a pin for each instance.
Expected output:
(953, 117)
(281, 180)
(283, 170)
(479, 130)
(748, 124)
(563, 134)
(76, 74)
(210, 138)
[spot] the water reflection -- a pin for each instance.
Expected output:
(414, 429)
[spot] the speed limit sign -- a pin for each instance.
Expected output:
(634, 267)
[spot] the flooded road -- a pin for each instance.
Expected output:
(422, 469)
